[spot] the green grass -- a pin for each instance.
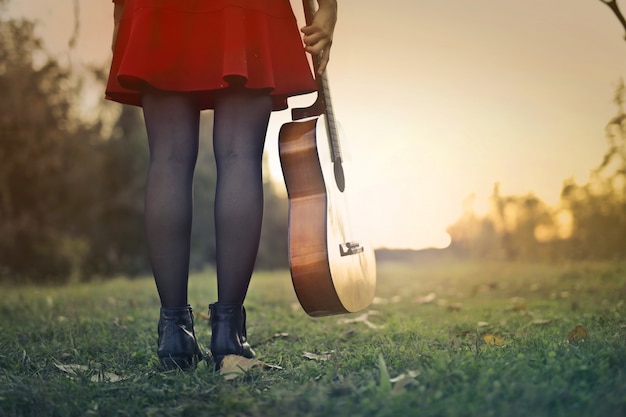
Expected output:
(111, 327)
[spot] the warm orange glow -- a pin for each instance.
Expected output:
(565, 224)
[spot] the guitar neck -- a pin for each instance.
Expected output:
(331, 126)
(323, 91)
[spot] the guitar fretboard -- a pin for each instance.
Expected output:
(324, 93)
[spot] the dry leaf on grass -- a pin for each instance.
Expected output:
(234, 366)
(541, 322)
(98, 376)
(363, 318)
(119, 322)
(317, 357)
(517, 304)
(402, 381)
(427, 298)
(393, 385)
(482, 324)
(577, 334)
(380, 300)
(455, 307)
(408, 375)
(493, 340)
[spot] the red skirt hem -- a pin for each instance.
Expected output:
(199, 46)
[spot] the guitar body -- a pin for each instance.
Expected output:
(333, 272)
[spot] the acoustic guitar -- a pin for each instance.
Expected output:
(332, 266)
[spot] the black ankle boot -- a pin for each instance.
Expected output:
(177, 345)
(228, 332)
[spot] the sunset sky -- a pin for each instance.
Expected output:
(438, 99)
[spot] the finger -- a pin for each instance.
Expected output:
(314, 37)
(314, 49)
(317, 42)
(318, 47)
(307, 30)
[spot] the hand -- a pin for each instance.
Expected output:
(318, 36)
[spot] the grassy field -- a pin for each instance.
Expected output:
(442, 339)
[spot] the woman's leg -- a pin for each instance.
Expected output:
(240, 125)
(172, 122)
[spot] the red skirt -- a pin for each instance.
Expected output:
(199, 46)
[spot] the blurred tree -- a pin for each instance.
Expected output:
(116, 231)
(589, 223)
(615, 158)
(523, 223)
(473, 235)
(598, 208)
(36, 126)
(516, 227)
(273, 251)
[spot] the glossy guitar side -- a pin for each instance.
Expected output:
(333, 271)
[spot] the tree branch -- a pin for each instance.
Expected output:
(613, 6)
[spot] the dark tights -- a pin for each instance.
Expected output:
(240, 125)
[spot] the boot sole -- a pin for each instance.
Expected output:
(171, 363)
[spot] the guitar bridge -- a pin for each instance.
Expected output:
(350, 248)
